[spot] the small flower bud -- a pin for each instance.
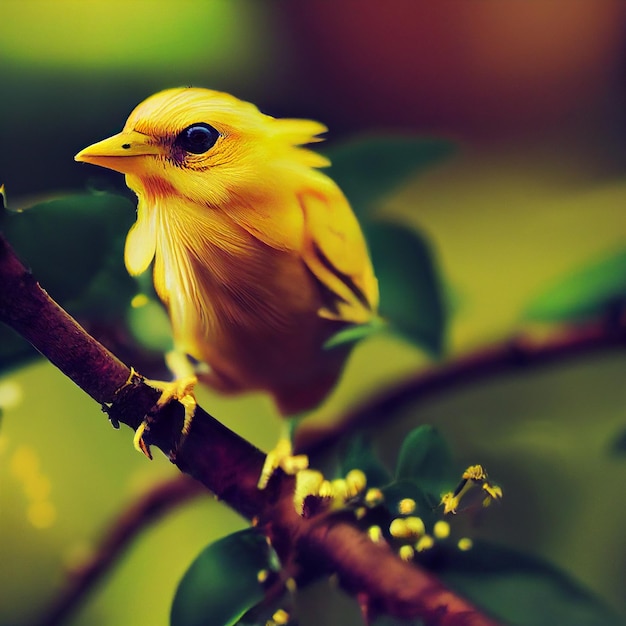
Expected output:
(424, 543)
(375, 534)
(339, 488)
(325, 489)
(398, 528)
(465, 544)
(308, 483)
(373, 497)
(406, 553)
(406, 506)
(356, 481)
(441, 529)
(416, 526)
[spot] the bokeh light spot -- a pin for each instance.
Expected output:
(10, 394)
(24, 463)
(41, 514)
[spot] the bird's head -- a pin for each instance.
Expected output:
(205, 145)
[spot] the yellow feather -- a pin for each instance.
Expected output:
(141, 241)
(336, 253)
(257, 253)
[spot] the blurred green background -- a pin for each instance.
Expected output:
(533, 94)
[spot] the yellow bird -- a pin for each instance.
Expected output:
(257, 254)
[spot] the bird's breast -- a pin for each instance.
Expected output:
(245, 308)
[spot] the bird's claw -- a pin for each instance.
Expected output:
(181, 390)
(138, 440)
(282, 457)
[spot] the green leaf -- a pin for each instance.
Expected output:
(355, 333)
(369, 168)
(359, 454)
(74, 247)
(221, 585)
(412, 299)
(522, 590)
(425, 458)
(588, 292)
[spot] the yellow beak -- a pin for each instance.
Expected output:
(120, 151)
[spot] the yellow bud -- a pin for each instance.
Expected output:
(406, 553)
(465, 544)
(406, 506)
(308, 483)
(450, 503)
(493, 490)
(280, 617)
(262, 575)
(325, 490)
(375, 534)
(361, 512)
(441, 529)
(356, 481)
(475, 472)
(339, 488)
(294, 464)
(291, 585)
(309, 480)
(141, 299)
(415, 526)
(473, 477)
(374, 497)
(398, 528)
(424, 543)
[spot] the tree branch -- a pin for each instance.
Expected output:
(227, 464)
(512, 356)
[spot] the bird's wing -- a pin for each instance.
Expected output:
(335, 251)
(318, 224)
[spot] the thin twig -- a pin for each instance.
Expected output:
(227, 464)
(512, 356)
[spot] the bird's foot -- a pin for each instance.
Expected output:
(282, 457)
(180, 389)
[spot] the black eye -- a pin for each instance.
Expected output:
(197, 138)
